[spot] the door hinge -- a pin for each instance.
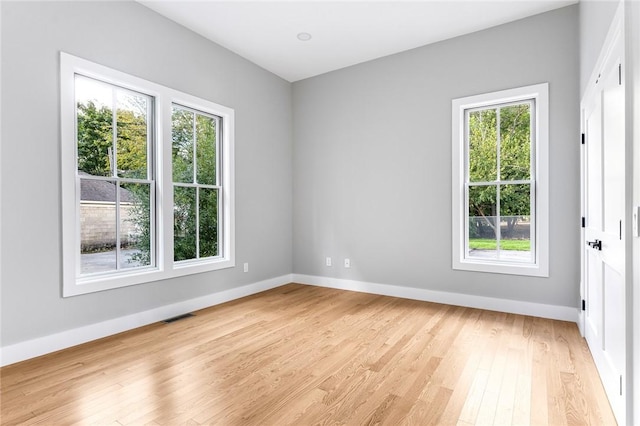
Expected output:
(620, 230)
(583, 222)
(584, 305)
(582, 139)
(620, 385)
(620, 74)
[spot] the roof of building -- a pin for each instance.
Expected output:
(102, 190)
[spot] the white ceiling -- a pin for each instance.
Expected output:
(344, 32)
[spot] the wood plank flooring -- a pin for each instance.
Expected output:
(305, 355)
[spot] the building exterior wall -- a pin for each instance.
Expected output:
(98, 226)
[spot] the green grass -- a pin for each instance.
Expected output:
(487, 244)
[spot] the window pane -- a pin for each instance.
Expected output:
(515, 226)
(184, 223)
(483, 146)
(482, 242)
(97, 226)
(94, 126)
(132, 114)
(515, 142)
(206, 149)
(208, 222)
(135, 225)
(182, 122)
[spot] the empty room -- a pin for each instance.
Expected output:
(320, 212)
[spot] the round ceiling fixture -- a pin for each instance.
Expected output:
(304, 36)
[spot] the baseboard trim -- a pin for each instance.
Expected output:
(66, 339)
(563, 313)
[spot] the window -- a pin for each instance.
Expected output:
(114, 138)
(147, 184)
(500, 182)
(195, 184)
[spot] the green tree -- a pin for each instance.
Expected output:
(513, 124)
(132, 144)
(95, 138)
(194, 131)
(95, 141)
(95, 157)
(190, 130)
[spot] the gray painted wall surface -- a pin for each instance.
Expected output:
(131, 38)
(595, 20)
(372, 159)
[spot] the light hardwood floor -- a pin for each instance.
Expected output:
(306, 355)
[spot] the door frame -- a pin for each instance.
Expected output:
(617, 33)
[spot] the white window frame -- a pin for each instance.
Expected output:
(196, 185)
(539, 94)
(165, 267)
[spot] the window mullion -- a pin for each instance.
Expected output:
(195, 181)
(498, 179)
(167, 203)
(118, 230)
(465, 242)
(218, 151)
(195, 149)
(114, 134)
(467, 182)
(114, 169)
(197, 208)
(498, 220)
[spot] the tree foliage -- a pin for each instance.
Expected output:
(499, 149)
(191, 132)
(95, 141)
(193, 207)
(95, 138)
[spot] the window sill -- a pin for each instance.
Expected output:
(102, 282)
(510, 268)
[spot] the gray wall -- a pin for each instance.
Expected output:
(372, 159)
(370, 166)
(595, 20)
(131, 38)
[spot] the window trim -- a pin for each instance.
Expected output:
(164, 97)
(539, 93)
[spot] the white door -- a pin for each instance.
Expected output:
(603, 245)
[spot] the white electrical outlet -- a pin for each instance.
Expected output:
(328, 261)
(246, 267)
(347, 263)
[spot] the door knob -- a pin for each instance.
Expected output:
(597, 244)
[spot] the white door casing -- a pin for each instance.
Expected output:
(603, 112)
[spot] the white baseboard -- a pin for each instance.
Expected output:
(580, 322)
(65, 339)
(563, 313)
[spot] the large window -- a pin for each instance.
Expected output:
(500, 186)
(147, 180)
